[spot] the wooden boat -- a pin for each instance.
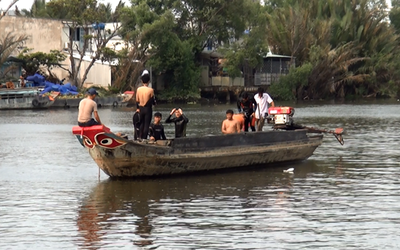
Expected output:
(25, 98)
(120, 157)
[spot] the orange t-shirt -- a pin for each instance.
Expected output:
(240, 119)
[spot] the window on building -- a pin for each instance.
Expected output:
(76, 34)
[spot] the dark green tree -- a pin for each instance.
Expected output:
(350, 44)
(32, 62)
(38, 9)
(176, 32)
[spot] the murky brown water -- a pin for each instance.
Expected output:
(343, 197)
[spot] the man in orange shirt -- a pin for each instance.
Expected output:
(240, 118)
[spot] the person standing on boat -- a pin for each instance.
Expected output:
(144, 101)
(230, 125)
(241, 119)
(87, 106)
(247, 105)
(156, 130)
(262, 100)
(21, 82)
(180, 121)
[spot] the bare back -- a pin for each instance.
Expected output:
(143, 95)
(86, 107)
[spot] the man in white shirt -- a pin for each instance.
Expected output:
(262, 99)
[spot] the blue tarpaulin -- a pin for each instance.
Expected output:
(39, 81)
(66, 89)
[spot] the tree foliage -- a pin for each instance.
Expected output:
(249, 48)
(82, 14)
(288, 85)
(340, 47)
(350, 44)
(174, 33)
(8, 45)
(32, 62)
(38, 9)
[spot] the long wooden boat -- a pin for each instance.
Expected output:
(120, 157)
(25, 98)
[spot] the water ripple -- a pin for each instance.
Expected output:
(343, 197)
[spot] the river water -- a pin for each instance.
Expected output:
(343, 197)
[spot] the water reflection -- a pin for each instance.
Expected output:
(135, 211)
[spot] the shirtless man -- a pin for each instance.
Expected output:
(144, 102)
(87, 106)
(230, 126)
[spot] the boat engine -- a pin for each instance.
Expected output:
(281, 115)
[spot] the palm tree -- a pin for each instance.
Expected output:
(350, 44)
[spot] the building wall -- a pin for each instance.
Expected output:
(47, 34)
(43, 34)
(227, 81)
(99, 74)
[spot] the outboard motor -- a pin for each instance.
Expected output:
(281, 115)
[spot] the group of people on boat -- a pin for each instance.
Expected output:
(156, 129)
(143, 128)
(252, 112)
(145, 100)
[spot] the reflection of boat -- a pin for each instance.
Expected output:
(137, 205)
(111, 194)
(25, 98)
(119, 157)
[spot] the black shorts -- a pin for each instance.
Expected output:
(91, 122)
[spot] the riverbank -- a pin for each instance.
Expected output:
(73, 102)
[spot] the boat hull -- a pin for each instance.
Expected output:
(119, 157)
(23, 99)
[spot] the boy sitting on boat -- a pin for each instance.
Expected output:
(156, 130)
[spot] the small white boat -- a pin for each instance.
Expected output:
(25, 98)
